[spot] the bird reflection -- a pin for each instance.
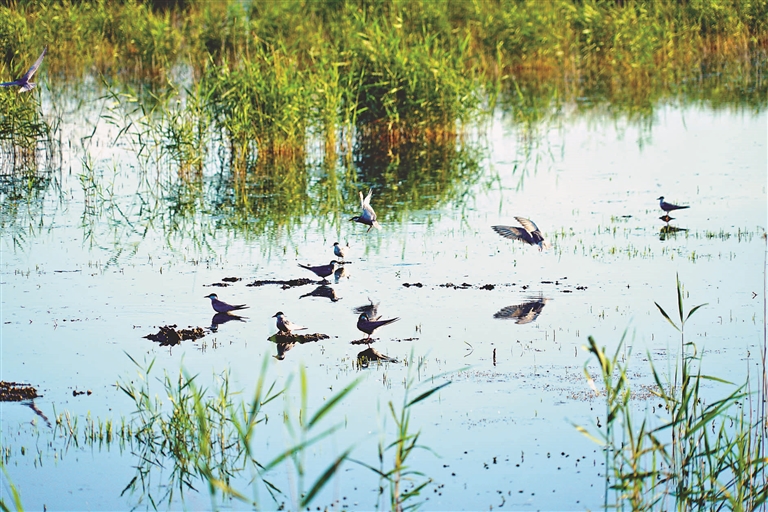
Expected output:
(668, 231)
(37, 411)
(323, 291)
(222, 318)
(524, 313)
(282, 348)
(370, 355)
(340, 273)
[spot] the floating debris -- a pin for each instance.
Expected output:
(417, 285)
(232, 279)
(16, 392)
(290, 283)
(169, 336)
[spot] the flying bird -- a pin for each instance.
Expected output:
(220, 306)
(368, 326)
(284, 325)
(23, 82)
(528, 233)
(322, 270)
(368, 216)
(668, 207)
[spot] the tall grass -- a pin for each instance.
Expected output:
(697, 455)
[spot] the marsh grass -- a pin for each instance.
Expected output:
(700, 454)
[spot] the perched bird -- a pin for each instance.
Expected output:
(668, 207)
(368, 217)
(220, 306)
(322, 270)
(23, 82)
(284, 325)
(529, 233)
(368, 326)
(340, 251)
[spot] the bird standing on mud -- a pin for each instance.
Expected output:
(322, 270)
(368, 326)
(528, 233)
(368, 216)
(284, 325)
(669, 207)
(220, 306)
(24, 82)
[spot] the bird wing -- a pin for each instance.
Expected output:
(512, 233)
(34, 67)
(527, 224)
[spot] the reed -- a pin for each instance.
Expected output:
(698, 455)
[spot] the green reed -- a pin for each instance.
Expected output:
(699, 455)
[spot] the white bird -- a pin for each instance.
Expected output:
(220, 306)
(340, 251)
(23, 82)
(528, 233)
(368, 216)
(284, 325)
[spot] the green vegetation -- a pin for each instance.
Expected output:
(270, 73)
(698, 455)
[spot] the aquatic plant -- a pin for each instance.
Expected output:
(679, 463)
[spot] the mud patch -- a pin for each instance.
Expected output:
(168, 335)
(290, 283)
(16, 392)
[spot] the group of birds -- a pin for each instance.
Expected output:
(367, 322)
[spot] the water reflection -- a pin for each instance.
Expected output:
(222, 318)
(370, 354)
(670, 232)
(524, 313)
(285, 342)
(323, 291)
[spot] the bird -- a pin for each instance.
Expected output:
(284, 325)
(668, 207)
(524, 313)
(220, 306)
(340, 251)
(368, 216)
(528, 233)
(368, 326)
(322, 270)
(23, 82)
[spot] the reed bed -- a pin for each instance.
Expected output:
(390, 72)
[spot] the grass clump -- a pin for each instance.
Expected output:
(699, 455)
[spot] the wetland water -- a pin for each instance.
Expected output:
(110, 248)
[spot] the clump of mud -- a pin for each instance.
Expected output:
(290, 283)
(16, 392)
(297, 338)
(168, 335)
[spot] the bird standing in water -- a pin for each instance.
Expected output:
(24, 82)
(220, 306)
(322, 270)
(669, 207)
(528, 233)
(368, 216)
(284, 325)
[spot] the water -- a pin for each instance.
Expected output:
(115, 247)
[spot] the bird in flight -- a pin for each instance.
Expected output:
(24, 82)
(368, 216)
(528, 233)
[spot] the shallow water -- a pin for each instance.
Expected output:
(105, 256)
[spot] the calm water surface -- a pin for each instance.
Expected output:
(103, 257)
